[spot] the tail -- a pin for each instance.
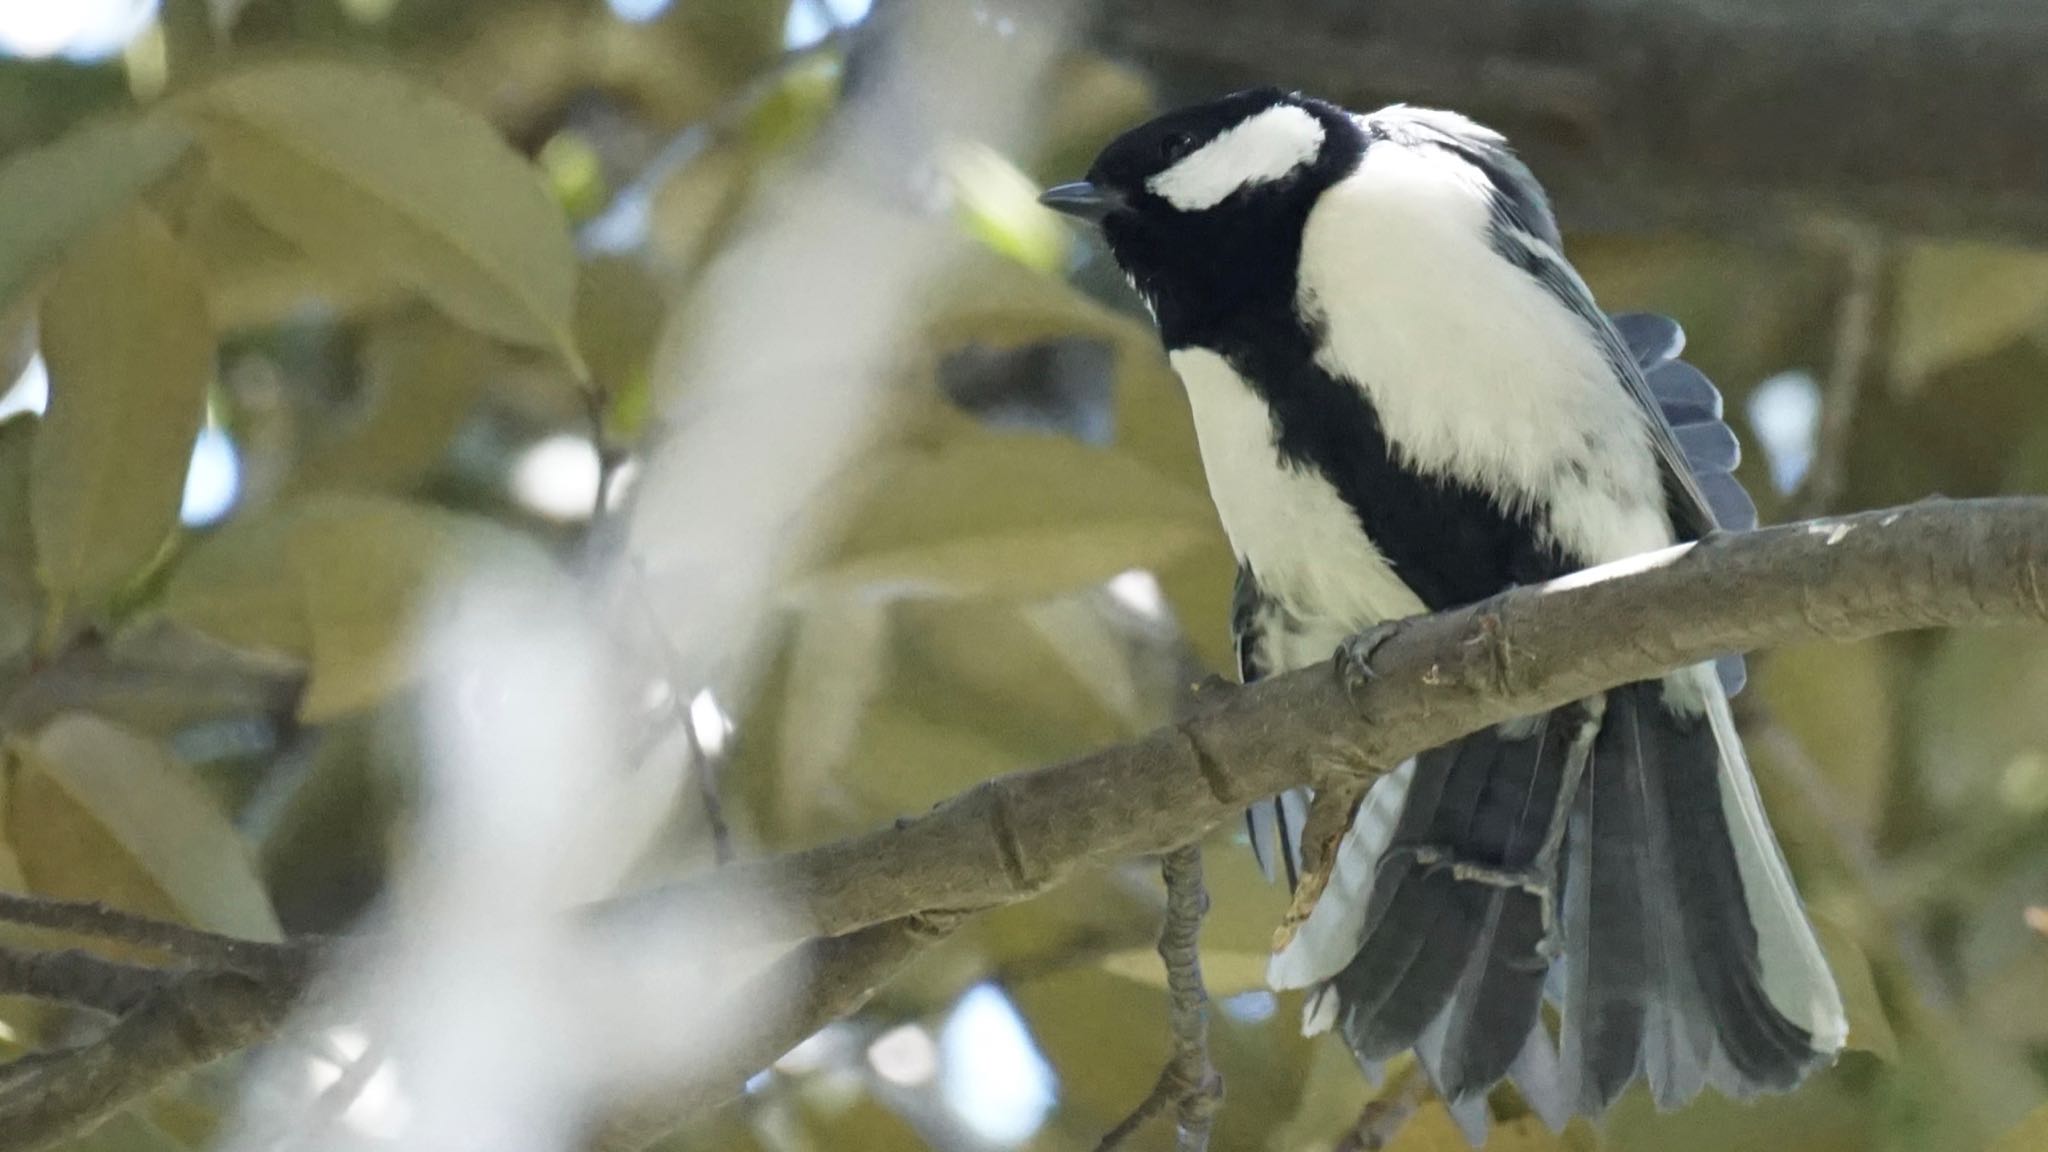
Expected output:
(1684, 956)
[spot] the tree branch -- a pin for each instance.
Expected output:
(194, 1020)
(1966, 563)
(84, 918)
(1933, 564)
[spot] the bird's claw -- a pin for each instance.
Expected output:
(1354, 656)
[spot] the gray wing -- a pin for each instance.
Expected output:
(1696, 451)
(1692, 406)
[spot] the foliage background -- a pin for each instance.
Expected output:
(423, 272)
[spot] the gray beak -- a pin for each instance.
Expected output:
(1082, 201)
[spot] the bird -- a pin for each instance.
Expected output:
(1406, 400)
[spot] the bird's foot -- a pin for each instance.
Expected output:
(1354, 656)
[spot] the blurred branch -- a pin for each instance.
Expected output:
(1866, 258)
(250, 957)
(836, 975)
(75, 977)
(1740, 118)
(1387, 1112)
(1189, 1083)
(193, 1020)
(878, 900)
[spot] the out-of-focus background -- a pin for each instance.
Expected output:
(352, 343)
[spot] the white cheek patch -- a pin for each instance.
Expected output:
(1260, 150)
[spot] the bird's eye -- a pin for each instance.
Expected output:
(1175, 145)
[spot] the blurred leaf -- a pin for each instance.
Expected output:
(619, 312)
(1819, 1117)
(804, 95)
(1016, 516)
(335, 581)
(423, 379)
(1000, 207)
(130, 352)
(323, 849)
(992, 301)
(1093, 100)
(363, 166)
(1431, 1129)
(2030, 1136)
(1960, 301)
(1200, 587)
(839, 661)
(56, 194)
(256, 278)
(695, 207)
(1870, 1027)
(1333, 1095)
(238, 586)
(20, 599)
(97, 813)
(1106, 1037)
(1979, 718)
(1838, 702)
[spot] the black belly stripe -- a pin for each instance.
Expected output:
(1451, 543)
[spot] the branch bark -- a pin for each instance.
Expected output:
(877, 901)
(1933, 564)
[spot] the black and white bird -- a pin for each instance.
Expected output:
(1407, 400)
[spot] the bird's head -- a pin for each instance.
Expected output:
(1210, 200)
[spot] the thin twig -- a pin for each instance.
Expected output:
(610, 457)
(85, 918)
(74, 977)
(703, 764)
(708, 769)
(1383, 1117)
(1857, 315)
(1190, 1081)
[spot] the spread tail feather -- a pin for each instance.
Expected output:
(1686, 956)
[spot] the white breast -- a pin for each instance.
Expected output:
(1288, 523)
(1475, 369)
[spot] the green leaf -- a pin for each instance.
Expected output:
(20, 599)
(363, 167)
(1870, 1028)
(1016, 516)
(130, 353)
(1961, 301)
(336, 582)
(2030, 1136)
(96, 812)
(620, 308)
(424, 378)
(53, 195)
